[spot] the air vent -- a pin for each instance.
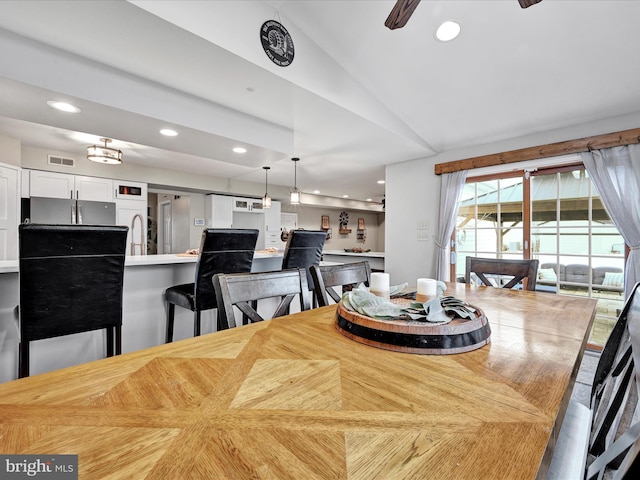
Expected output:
(63, 161)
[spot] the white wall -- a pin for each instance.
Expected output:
(10, 149)
(412, 197)
(310, 217)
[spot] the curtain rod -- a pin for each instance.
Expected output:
(625, 137)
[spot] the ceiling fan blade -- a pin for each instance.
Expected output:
(528, 3)
(401, 13)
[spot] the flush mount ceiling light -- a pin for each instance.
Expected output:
(295, 194)
(63, 106)
(104, 154)
(266, 200)
(447, 31)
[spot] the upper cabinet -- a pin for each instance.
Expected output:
(63, 185)
(95, 189)
(253, 205)
(219, 211)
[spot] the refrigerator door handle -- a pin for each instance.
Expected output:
(73, 214)
(79, 214)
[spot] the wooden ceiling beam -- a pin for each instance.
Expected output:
(626, 137)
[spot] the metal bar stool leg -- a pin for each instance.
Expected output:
(23, 359)
(170, 316)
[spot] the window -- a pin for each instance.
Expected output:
(554, 216)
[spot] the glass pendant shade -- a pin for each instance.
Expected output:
(104, 154)
(295, 197)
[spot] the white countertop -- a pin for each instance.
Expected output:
(354, 254)
(11, 266)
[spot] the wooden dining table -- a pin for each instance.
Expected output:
(292, 398)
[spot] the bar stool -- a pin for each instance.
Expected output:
(222, 250)
(303, 249)
(71, 279)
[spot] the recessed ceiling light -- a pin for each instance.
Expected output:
(448, 31)
(345, 196)
(369, 199)
(240, 150)
(316, 191)
(64, 106)
(381, 182)
(168, 132)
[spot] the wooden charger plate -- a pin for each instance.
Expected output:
(409, 336)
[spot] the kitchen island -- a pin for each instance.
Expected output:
(146, 277)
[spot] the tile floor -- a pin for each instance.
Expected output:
(584, 380)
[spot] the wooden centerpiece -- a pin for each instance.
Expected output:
(411, 336)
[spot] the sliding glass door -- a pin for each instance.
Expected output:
(556, 217)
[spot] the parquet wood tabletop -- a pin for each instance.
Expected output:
(291, 398)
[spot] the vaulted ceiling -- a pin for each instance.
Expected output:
(356, 97)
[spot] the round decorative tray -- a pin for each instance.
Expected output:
(410, 336)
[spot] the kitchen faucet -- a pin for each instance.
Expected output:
(141, 244)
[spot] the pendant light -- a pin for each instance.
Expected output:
(295, 194)
(266, 200)
(104, 154)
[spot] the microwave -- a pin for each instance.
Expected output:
(131, 190)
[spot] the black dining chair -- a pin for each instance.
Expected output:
(603, 439)
(222, 250)
(71, 280)
(326, 277)
(243, 290)
(517, 271)
(303, 249)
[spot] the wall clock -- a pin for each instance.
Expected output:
(277, 43)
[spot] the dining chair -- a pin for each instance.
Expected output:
(303, 249)
(242, 290)
(222, 250)
(521, 271)
(71, 280)
(603, 440)
(326, 277)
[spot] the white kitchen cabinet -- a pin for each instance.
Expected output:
(64, 185)
(218, 211)
(221, 212)
(272, 226)
(93, 189)
(9, 211)
(252, 205)
(51, 184)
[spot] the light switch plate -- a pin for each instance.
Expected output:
(198, 222)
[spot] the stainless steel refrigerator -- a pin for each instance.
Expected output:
(63, 211)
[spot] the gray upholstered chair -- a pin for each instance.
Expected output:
(517, 270)
(326, 277)
(243, 290)
(71, 280)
